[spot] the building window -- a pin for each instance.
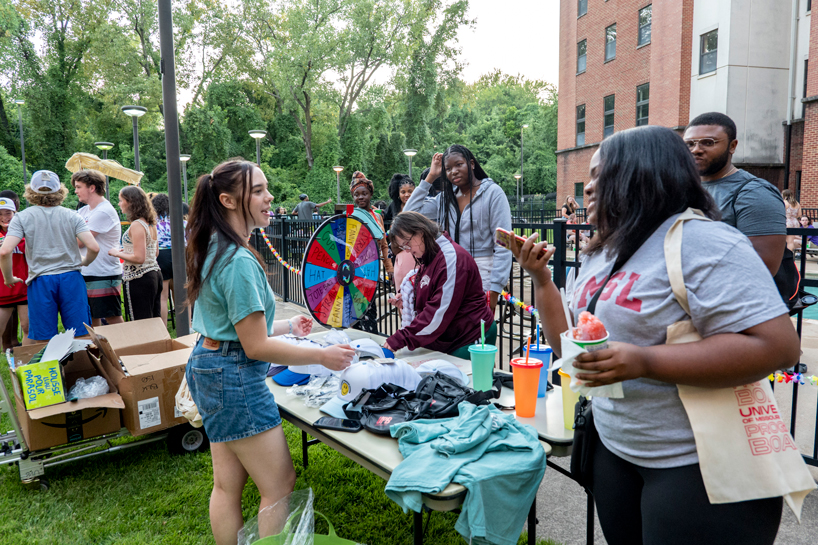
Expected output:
(582, 50)
(610, 43)
(609, 116)
(809, 5)
(582, 7)
(581, 125)
(579, 189)
(644, 25)
(642, 99)
(709, 52)
(806, 72)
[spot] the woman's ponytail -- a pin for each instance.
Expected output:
(208, 217)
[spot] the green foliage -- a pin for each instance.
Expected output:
(11, 174)
(300, 69)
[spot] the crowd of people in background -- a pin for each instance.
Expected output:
(71, 267)
(441, 259)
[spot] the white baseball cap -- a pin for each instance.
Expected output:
(7, 204)
(368, 375)
(44, 179)
(445, 367)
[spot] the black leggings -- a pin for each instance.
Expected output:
(638, 505)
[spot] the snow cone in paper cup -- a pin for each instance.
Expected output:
(590, 334)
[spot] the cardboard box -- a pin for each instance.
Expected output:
(189, 340)
(147, 367)
(71, 421)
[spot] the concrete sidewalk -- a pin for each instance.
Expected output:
(561, 503)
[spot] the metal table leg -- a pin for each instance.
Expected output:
(417, 523)
(532, 523)
(589, 522)
(305, 444)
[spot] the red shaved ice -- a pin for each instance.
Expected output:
(589, 328)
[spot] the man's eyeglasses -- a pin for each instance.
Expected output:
(702, 142)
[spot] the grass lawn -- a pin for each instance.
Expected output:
(146, 495)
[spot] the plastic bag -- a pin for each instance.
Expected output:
(336, 336)
(317, 391)
(93, 387)
(289, 521)
(186, 406)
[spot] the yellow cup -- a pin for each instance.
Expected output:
(569, 400)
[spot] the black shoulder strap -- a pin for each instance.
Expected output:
(735, 195)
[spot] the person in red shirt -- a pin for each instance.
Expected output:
(15, 296)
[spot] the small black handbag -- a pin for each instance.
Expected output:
(585, 438)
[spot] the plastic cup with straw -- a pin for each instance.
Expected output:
(482, 362)
(526, 380)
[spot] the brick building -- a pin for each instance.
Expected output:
(625, 63)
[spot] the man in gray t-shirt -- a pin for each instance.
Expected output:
(305, 208)
(750, 204)
(55, 285)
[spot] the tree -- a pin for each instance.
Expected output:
(11, 173)
(51, 80)
(296, 42)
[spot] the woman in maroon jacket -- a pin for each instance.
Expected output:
(449, 301)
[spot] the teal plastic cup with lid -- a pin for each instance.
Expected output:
(482, 366)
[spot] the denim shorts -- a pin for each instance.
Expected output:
(230, 392)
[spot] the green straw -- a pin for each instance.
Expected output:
(483, 333)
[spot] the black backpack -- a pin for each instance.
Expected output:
(787, 279)
(436, 396)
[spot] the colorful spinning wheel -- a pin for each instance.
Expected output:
(340, 272)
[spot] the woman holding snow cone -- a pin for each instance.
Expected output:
(673, 459)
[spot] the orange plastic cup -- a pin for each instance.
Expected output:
(526, 382)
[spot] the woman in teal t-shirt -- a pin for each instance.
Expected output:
(227, 369)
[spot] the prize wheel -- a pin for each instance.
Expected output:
(340, 271)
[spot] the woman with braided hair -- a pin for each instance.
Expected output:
(362, 190)
(470, 208)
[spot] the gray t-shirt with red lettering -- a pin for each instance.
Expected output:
(729, 290)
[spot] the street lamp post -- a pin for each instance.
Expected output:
(20, 103)
(410, 153)
(135, 112)
(105, 146)
(338, 170)
(258, 135)
(521, 160)
(518, 177)
(184, 157)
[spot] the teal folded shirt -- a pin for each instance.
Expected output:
(499, 461)
(234, 289)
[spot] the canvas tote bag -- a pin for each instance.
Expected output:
(745, 449)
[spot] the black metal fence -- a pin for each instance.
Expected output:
(514, 325)
(545, 213)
